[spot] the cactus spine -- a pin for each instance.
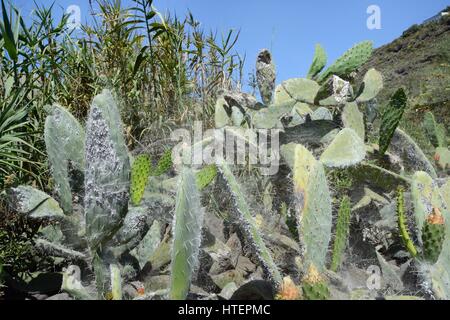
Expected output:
(342, 230)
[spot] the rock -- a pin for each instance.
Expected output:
(228, 291)
(254, 290)
(215, 226)
(245, 266)
(234, 243)
(221, 280)
(241, 99)
(156, 283)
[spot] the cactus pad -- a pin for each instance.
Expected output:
(433, 235)
(140, 171)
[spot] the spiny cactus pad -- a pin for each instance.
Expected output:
(164, 164)
(64, 140)
(314, 286)
(349, 61)
(107, 170)
(205, 176)
(313, 207)
(345, 150)
(318, 63)
(296, 90)
(187, 225)
(433, 235)
(391, 118)
(372, 85)
(435, 131)
(341, 235)
(249, 225)
(354, 119)
(402, 225)
(140, 170)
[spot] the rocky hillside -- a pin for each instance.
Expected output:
(419, 61)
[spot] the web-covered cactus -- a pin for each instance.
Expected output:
(313, 207)
(341, 234)
(249, 225)
(391, 118)
(140, 170)
(265, 75)
(402, 225)
(187, 224)
(371, 86)
(64, 139)
(346, 149)
(107, 170)
(354, 119)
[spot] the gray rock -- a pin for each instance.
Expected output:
(60, 296)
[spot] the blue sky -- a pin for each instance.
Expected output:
(289, 28)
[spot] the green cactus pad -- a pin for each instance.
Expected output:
(318, 63)
(314, 286)
(313, 207)
(372, 85)
(433, 235)
(341, 235)
(349, 61)
(296, 90)
(354, 119)
(186, 227)
(221, 117)
(347, 149)
(402, 225)
(391, 118)
(442, 157)
(140, 170)
(64, 140)
(164, 164)
(436, 132)
(205, 176)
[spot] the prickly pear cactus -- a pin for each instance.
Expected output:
(140, 170)
(164, 164)
(349, 61)
(319, 62)
(64, 140)
(442, 157)
(221, 117)
(433, 235)
(107, 170)
(341, 236)
(402, 225)
(391, 118)
(249, 225)
(315, 286)
(372, 85)
(265, 76)
(296, 90)
(346, 149)
(313, 207)
(205, 176)
(353, 118)
(435, 131)
(187, 225)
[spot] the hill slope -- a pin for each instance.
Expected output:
(418, 61)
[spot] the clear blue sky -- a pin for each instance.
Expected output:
(290, 28)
